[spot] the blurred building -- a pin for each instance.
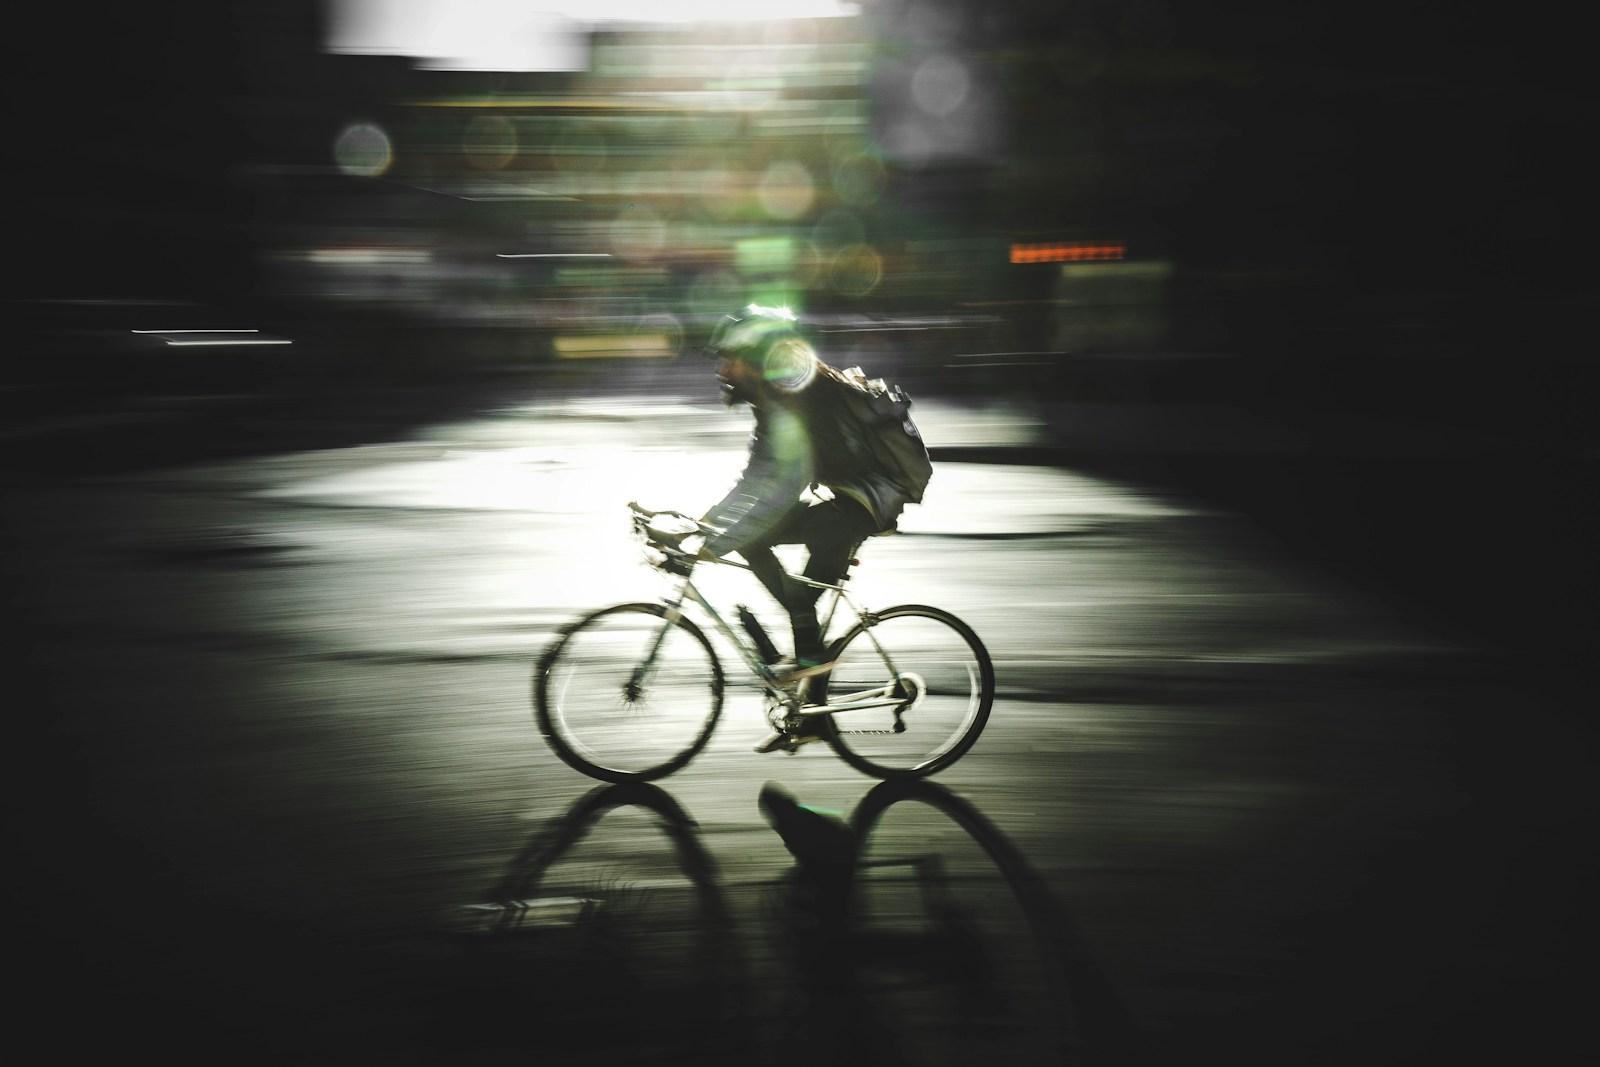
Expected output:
(681, 172)
(1339, 197)
(885, 166)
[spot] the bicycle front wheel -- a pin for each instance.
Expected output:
(628, 694)
(913, 686)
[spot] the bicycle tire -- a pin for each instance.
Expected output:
(606, 723)
(940, 668)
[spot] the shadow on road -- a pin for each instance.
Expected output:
(622, 972)
(909, 954)
(870, 950)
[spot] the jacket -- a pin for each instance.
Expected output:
(795, 445)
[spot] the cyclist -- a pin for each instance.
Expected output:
(799, 485)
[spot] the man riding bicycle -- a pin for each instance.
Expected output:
(795, 451)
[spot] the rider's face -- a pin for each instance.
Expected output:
(740, 381)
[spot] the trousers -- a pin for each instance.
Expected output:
(831, 531)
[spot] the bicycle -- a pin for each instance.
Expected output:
(634, 691)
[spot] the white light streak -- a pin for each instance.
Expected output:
(212, 338)
(214, 344)
(506, 35)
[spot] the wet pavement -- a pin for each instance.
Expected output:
(282, 794)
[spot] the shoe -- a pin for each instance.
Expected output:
(789, 740)
(806, 679)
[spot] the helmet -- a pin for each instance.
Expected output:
(747, 332)
(767, 338)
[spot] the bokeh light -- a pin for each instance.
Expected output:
(856, 270)
(940, 85)
(786, 190)
(858, 179)
(363, 149)
(490, 142)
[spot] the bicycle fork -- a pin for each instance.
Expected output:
(633, 689)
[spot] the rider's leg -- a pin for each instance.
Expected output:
(799, 600)
(799, 527)
(831, 531)
(769, 570)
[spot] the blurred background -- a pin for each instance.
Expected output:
(1325, 263)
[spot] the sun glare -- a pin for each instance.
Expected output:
(505, 35)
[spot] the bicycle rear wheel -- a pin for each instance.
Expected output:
(613, 710)
(933, 684)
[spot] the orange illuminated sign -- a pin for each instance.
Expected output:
(1066, 252)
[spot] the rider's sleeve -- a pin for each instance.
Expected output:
(779, 469)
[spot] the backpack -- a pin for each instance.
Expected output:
(875, 423)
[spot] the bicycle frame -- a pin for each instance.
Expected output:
(887, 695)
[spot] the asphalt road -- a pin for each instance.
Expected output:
(276, 757)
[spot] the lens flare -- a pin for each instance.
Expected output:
(363, 149)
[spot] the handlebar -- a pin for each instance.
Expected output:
(642, 517)
(677, 560)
